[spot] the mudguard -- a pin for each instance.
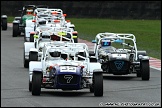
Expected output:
(94, 66)
(141, 57)
(16, 22)
(27, 31)
(33, 50)
(17, 18)
(28, 46)
(4, 16)
(33, 66)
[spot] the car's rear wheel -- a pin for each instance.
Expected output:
(4, 23)
(36, 83)
(26, 62)
(75, 40)
(145, 69)
(33, 56)
(31, 37)
(15, 30)
(98, 83)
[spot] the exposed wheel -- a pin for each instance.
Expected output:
(33, 56)
(75, 40)
(145, 69)
(98, 83)
(68, 35)
(26, 62)
(4, 23)
(15, 30)
(36, 83)
(31, 37)
(30, 86)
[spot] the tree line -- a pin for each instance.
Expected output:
(93, 9)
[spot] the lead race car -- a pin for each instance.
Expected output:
(65, 67)
(118, 55)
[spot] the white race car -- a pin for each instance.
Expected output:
(32, 50)
(65, 67)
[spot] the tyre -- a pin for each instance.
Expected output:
(33, 56)
(4, 23)
(68, 35)
(30, 86)
(75, 40)
(36, 83)
(98, 83)
(145, 69)
(15, 30)
(26, 62)
(31, 37)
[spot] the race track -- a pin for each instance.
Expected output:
(118, 90)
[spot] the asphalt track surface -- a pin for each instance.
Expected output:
(127, 90)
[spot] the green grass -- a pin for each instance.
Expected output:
(10, 19)
(147, 32)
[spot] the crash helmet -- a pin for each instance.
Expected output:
(45, 35)
(54, 53)
(105, 43)
(29, 11)
(42, 21)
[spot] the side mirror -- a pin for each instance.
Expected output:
(93, 41)
(64, 15)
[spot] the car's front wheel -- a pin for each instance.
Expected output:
(15, 30)
(98, 83)
(26, 62)
(145, 69)
(36, 83)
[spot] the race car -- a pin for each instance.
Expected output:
(65, 67)
(19, 23)
(56, 19)
(4, 22)
(35, 47)
(118, 55)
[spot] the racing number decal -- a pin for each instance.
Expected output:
(68, 78)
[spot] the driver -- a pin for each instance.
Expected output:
(106, 46)
(29, 11)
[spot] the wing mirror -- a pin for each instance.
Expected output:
(93, 41)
